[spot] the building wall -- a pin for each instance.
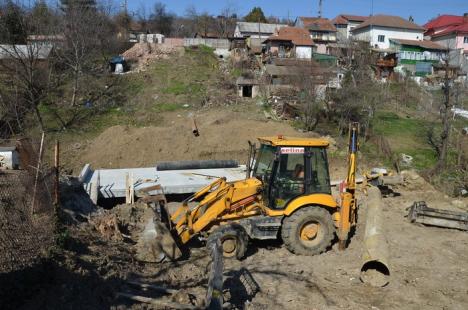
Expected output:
(304, 52)
(321, 48)
(449, 41)
(460, 42)
(351, 26)
(371, 35)
(343, 31)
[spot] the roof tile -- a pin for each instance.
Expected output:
(298, 36)
(318, 24)
(389, 21)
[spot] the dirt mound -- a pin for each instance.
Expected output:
(144, 53)
(221, 137)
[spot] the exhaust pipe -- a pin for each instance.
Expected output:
(375, 270)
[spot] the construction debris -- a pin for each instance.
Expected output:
(108, 226)
(145, 53)
(180, 299)
(419, 212)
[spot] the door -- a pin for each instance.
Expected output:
(288, 179)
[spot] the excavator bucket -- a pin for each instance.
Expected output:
(156, 242)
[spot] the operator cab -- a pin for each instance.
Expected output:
(291, 167)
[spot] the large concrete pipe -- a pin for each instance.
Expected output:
(375, 270)
(196, 164)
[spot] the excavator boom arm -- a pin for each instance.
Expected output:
(348, 198)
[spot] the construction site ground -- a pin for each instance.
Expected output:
(86, 271)
(428, 267)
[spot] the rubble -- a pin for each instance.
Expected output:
(145, 53)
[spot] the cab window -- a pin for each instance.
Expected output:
(319, 175)
(289, 178)
(264, 162)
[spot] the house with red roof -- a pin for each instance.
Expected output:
(290, 42)
(345, 23)
(321, 30)
(449, 31)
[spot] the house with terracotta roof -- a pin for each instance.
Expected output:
(379, 29)
(345, 23)
(290, 42)
(450, 31)
(321, 30)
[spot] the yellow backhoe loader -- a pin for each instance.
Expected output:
(286, 194)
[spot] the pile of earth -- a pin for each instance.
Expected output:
(222, 136)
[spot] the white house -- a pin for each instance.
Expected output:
(379, 29)
(345, 23)
(256, 30)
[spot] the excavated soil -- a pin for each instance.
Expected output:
(223, 135)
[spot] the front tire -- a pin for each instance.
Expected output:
(308, 231)
(233, 239)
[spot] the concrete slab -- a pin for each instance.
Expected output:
(112, 182)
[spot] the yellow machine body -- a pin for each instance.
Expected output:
(225, 202)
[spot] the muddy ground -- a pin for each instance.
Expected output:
(428, 268)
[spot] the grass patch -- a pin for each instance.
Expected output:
(167, 107)
(406, 135)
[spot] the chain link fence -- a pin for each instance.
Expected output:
(26, 210)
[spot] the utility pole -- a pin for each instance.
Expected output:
(125, 6)
(372, 8)
(320, 9)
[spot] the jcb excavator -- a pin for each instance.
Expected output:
(287, 194)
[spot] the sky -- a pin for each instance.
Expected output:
(421, 10)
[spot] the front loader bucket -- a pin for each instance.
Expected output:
(157, 243)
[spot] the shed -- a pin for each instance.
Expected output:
(9, 158)
(247, 87)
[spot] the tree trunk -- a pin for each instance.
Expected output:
(39, 117)
(446, 123)
(75, 87)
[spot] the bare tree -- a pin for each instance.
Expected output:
(226, 21)
(26, 65)
(445, 111)
(161, 20)
(84, 30)
(310, 82)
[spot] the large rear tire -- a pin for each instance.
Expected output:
(308, 231)
(233, 238)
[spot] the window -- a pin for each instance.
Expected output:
(264, 162)
(320, 178)
(465, 40)
(381, 38)
(289, 177)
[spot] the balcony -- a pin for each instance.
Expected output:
(386, 63)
